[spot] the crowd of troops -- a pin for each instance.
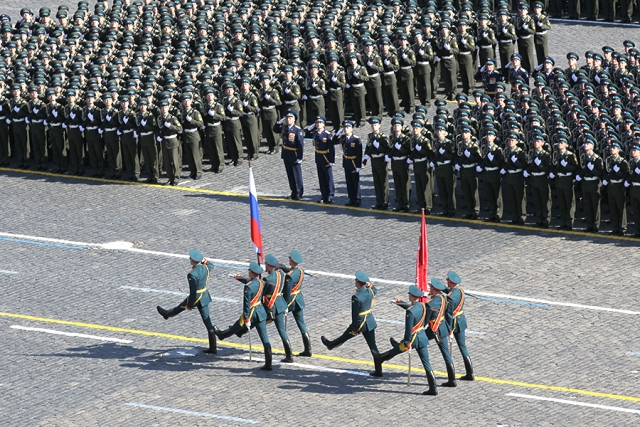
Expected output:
(275, 290)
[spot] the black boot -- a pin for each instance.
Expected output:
(164, 313)
(222, 335)
(431, 379)
(451, 374)
(287, 352)
(307, 345)
(267, 358)
(468, 367)
(378, 360)
(213, 348)
(393, 342)
(242, 331)
(329, 344)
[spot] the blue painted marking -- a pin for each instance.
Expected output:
(31, 242)
(634, 353)
(198, 414)
(508, 301)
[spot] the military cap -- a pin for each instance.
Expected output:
(516, 56)
(445, 25)
(143, 101)
(523, 6)
(361, 276)
(616, 144)
(70, 92)
(374, 119)
(255, 267)
(466, 129)
(291, 113)
(397, 122)
(227, 86)
(295, 256)
(461, 97)
(512, 135)
(196, 255)
(415, 291)
(50, 92)
(490, 61)
(185, 96)
(437, 284)
(573, 55)
(491, 131)
(550, 60)
(321, 119)
(538, 5)
(439, 127)
(163, 103)
(635, 147)
(347, 123)
(453, 276)
(607, 49)
(628, 43)
(271, 260)
(417, 124)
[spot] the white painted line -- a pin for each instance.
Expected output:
(571, 402)
(468, 332)
(197, 414)
(70, 334)
(8, 272)
(395, 322)
(127, 246)
(184, 182)
(584, 21)
(182, 294)
(315, 367)
(180, 353)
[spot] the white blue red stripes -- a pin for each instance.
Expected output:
(256, 233)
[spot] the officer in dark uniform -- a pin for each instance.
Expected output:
(192, 124)
(617, 172)
(445, 153)
(633, 183)
(214, 115)
(292, 152)
(5, 111)
(414, 337)
(17, 116)
(438, 328)
(73, 122)
(457, 321)
(374, 65)
(467, 47)
(231, 125)
(126, 126)
(169, 128)
(325, 153)
(591, 179)
(376, 150)
(198, 296)
(336, 83)
(489, 77)
(253, 313)
(421, 156)
(92, 126)
(274, 302)
(514, 164)
(565, 166)
(249, 119)
(399, 150)
(389, 80)
(446, 50)
(424, 55)
(467, 162)
(525, 29)
(407, 60)
(538, 173)
(146, 134)
(541, 36)
(356, 77)
(109, 123)
(269, 100)
(363, 321)
(37, 116)
(293, 297)
(351, 160)
(492, 162)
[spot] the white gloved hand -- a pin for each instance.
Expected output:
(578, 178)
(81, 128)
(590, 166)
(298, 161)
(339, 132)
(467, 153)
(552, 175)
(605, 182)
(35, 111)
(46, 123)
(89, 116)
(409, 161)
(245, 103)
(313, 84)
(437, 59)
(376, 144)
(159, 139)
(525, 174)
(125, 119)
(334, 79)
(574, 78)
(485, 35)
(539, 24)
(431, 164)
(537, 161)
(143, 122)
(447, 46)
(64, 126)
(463, 41)
(26, 119)
(310, 127)
(118, 132)
(135, 134)
(188, 118)
(304, 97)
(503, 172)
(524, 26)
(597, 78)
(8, 121)
(370, 64)
(287, 90)
(398, 146)
(563, 163)
(504, 30)
(366, 157)
(386, 62)
(230, 107)
(108, 117)
(331, 164)
(355, 74)
(404, 55)
(418, 147)
(266, 96)
(211, 113)
(421, 52)
(167, 125)
(247, 324)
(626, 184)
(441, 150)
(490, 156)
(387, 159)
(478, 168)
(100, 131)
(357, 170)
(514, 158)
(16, 109)
(616, 168)
(55, 114)
(637, 170)
(457, 167)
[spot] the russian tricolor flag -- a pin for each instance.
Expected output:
(256, 233)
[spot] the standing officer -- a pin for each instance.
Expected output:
(564, 167)
(55, 118)
(92, 127)
(407, 60)
(351, 161)
(109, 123)
(37, 116)
(540, 37)
(274, 302)
(325, 158)
(506, 35)
(376, 150)
(146, 130)
(314, 92)
(490, 77)
(198, 296)
(617, 174)
(414, 337)
(291, 93)
(127, 125)
(269, 99)
(363, 321)
(424, 55)
(5, 111)
(525, 28)
(590, 176)
(374, 64)
(170, 127)
(17, 118)
(389, 81)
(446, 51)
(467, 164)
(73, 122)
(192, 145)
(292, 152)
(213, 118)
(445, 153)
(467, 45)
(231, 125)
(336, 82)
(457, 321)
(633, 181)
(485, 40)
(293, 297)
(356, 77)
(421, 156)
(253, 313)
(399, 150)
(491, 165)
(514, 164)
(538, 173)
(438, 329)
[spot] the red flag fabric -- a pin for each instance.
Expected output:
(422, 261)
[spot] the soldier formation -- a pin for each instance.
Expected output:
(141, 87)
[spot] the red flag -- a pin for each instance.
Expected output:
(422, 261)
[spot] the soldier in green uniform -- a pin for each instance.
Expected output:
(249, 119)
(564, 167)
(314, 89)
(445, 50)
(293, 296)
(5, 111)
(192, 124)
(506, 36)
(269, 100)
(422, 70)
(37, 135)
(492, 162)
(169, 128)
(467, 162)
(253, 313)
(421, 157)
(231, 125)
(128, 142)
(617, 172)
(541, 36)
(291, 92)
(17, 116)
(414, 337)
(438, 328)
(389, 80)
(514, 164)
(73, 122)
(457, 321)
(109, 123)
(146, 134)
(274, 302)
(374, 65)
(198, 296)
(399, 150)
(538, 173)
(376, 150)
(407, 60)
(445, 152)
(95, 143)
(362, 320)
(590, 176)
(356, 76)
(213, 118)
(336, 83)
(633, 183)
(467, 47)
(525, 29)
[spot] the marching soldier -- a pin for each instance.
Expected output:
(55, 118)
(491, 165)
(351, 161)
(325, 154)
(198, 296)
(389, 81)
(457, 321)
(399, 150)
(438, 328)
(336, 83)
(633, 183)
(564, 167)
(514, 164)
(407, 60)
(293, 297)
(274, 302)
(538, 173)
(92, 127)
(446, 51)
(414, 337)
(467, 45)
(374, 65)
(470, 158)
(363, 321)
(292, 152)
(169, 128)
(424, 55)
(269, 99)
(249, 119)
(146, 131)
(128, 141)
(590, 176)
(617, 173)
(314, 92)
(525, 29)
(421, 156)
(109, 123)
(356, 77)
(213, 118)
(445, 153)
(376, 150)
(191, 126)
(542, 27)
(36, 119)
(19, 111)
(253, 313)
(73, 122)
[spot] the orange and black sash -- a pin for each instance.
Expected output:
(420, 325)
(276, 291)
(296, 288)
(458, 310)
(434, 324)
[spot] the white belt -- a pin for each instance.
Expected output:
(635, 184)
(541, 33)
(238, 118)
(74, 126)
(406, 68)
(146, 133)
(17, 120)
(616, 181)
(487, 46)
(315, 97)
(127, 131)
(358, 85)
(291, 102)
(55, 124)
(111, 129)
(191, 130)
(505, 41)
(376, 156)
(270, 107)
(465, 53)
(537, 173)
(374, 75)
(564, 174)
(335, 88)
(492, 169)
(213, 124)
(404, 158)
(472, 165)
(92, 128)
(446, 162)
(388, 73)
(421, 159)
(447, 57)
(515, 170)
(592, 178)
(3, 118)
(37, 121)
(526, 37)
(170, 136)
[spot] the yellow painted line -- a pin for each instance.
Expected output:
(334, 206)
(315, 356)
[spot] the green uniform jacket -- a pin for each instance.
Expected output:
(294, 301)
(198, 292)
(253, 291)
(413, 317)
(275, 277)
(361, 310)
(432, 314)
(459, 323)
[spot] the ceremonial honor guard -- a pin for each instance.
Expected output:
(18, 114)
(469, 159)
(269, 99)
(421, 156)
(467, 47)
(376, 150)
(314, 92)
(374, 65)
(389, 80)
(617, 172)
(92, 128)
(457, 321)
(590, 177)
(128, 141)
(565, 165)
(253, 313)
(109, 123)
(399, 150)
(5, 112)
(292, 152)
(356, 77)
(506, 35)
(492, 162)
(363, 321)
(514, 164)
(38, 137)
(538, 173)
(336, 83)
(73, 122)
(191, 127)
(445, 153)
(231, 125)
(198, 296)
(274, 302)
(294, 298)
(633, 183)
(325, 153)
(407, 60)
(213, 117)
(351, 160)
(169, 128)
(525, 29)
(146, 131)
(446, 50)
(438, 329)
(424, 55)
(291, 93)
(542, 27)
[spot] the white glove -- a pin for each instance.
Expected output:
(398, 146)
(46, 123)
(418, 147)
(386, 62)
(421, 52)
(441, 150)
(339, 132)
(245, 103)
(108, 117)
(447, 46)
(484, 35)
(431, 164)
(539, 24)
(35, 111)
(597, 78)
(616, 168)
(357, 170)
(55, 114)
(626, 183)
(334, 79)
(578, 178)
(409, 161)
(463, 41)
(8, 121)
(266, 96)
(287, 90)
(143, 122)
(81, 129)
(247, 324)
(125, 119)
(72, 115)
(376, 144)
(89, 116)
(298, 161)
(331, 164)
(490, 157)
(605, 182)
(514, 158)
(310, 127)
(404, 56)
(64, 126)
(637, 170)
(16, 109)
(304, 97)
(313, 84)
(457, 167)
(355, 74)
(211, 113)
(370, 64)
(524, 26)
(478, 168)
(590, 166)
(118, 132)
(503, 172)
(525, 174)
(159, 139)
(437, 59)
(167, 125)
(574, 78)
(552, 175)
(537, 161)
(100, 131)
(26, 119)
(188, 119)
(387, 159)
(366, 157)
(230, 107)
(467, 153)
(504, 30)
(563, 163)
(135, 134)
